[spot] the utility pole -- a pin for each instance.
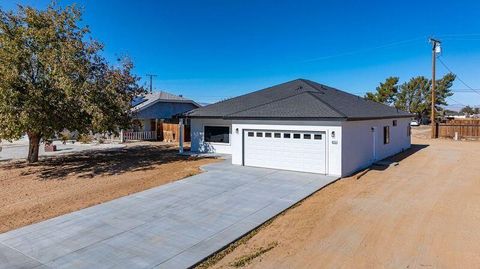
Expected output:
(435, 49)
(151, 81)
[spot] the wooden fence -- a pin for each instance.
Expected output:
(463, 128)
(170, 132)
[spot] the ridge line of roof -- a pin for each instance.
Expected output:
(267, 103)
(327, 104)
(345, 92)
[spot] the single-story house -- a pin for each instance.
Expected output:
(152, 110)
(301, 125)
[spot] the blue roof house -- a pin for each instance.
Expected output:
(152, 109)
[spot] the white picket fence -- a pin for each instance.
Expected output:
(139, 136)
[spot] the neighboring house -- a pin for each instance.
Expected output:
(302, 126)
(152, 110)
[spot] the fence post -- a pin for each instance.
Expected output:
(121, 136)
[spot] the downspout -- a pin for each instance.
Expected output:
(181, 136)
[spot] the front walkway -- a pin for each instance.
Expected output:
(172, 226)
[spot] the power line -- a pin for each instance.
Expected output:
(457, 77)
(455, 101)
(459, 35)
(393, 44)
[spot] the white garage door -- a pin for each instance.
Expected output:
(288, 150)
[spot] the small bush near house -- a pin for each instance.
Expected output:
(85, 139)
(65, 136)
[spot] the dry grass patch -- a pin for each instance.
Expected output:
(63, 184)
(246, 259)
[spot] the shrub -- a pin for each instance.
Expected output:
(65, 135)
(85, 139)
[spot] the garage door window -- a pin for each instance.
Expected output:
(250, 134)
(296, 136)
(268, 134)
(217, 134)
(277, 135)
(317, 137)
(259, 134)
(286, 135)
(307, 136)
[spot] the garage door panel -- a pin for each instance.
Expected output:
(304, 154)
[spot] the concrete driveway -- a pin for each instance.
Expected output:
(172, 226)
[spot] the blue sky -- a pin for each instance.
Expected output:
(214, 49)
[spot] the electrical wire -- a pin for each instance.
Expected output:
(455, 101)
(393, 44)
(457, 77)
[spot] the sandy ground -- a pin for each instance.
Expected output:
(60, 185)
(423, 213)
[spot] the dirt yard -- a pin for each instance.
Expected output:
(60, 185)
(423, 213)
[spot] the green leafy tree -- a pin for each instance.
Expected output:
(468, 110)
(415, 95)
(412, 96)
(386, 92)
(52, 78)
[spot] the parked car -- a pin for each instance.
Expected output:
(414, 123)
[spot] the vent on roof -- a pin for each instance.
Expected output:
(299, 88)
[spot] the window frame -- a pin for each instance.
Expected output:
(213, 142)
(386, 135)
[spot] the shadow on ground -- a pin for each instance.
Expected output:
(97, 163)
(385, 163)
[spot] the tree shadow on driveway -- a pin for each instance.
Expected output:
(89, 164)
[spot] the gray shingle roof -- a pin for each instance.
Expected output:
(298, 99)
(146, 100)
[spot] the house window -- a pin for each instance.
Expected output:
(317, 137)
(217, 134)
(259, 134)
(277, 135)
(296, 136)
(307, 136)
(268, 134)
(286, 135)
(394, 123)
(386, 134)
(250, 134)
